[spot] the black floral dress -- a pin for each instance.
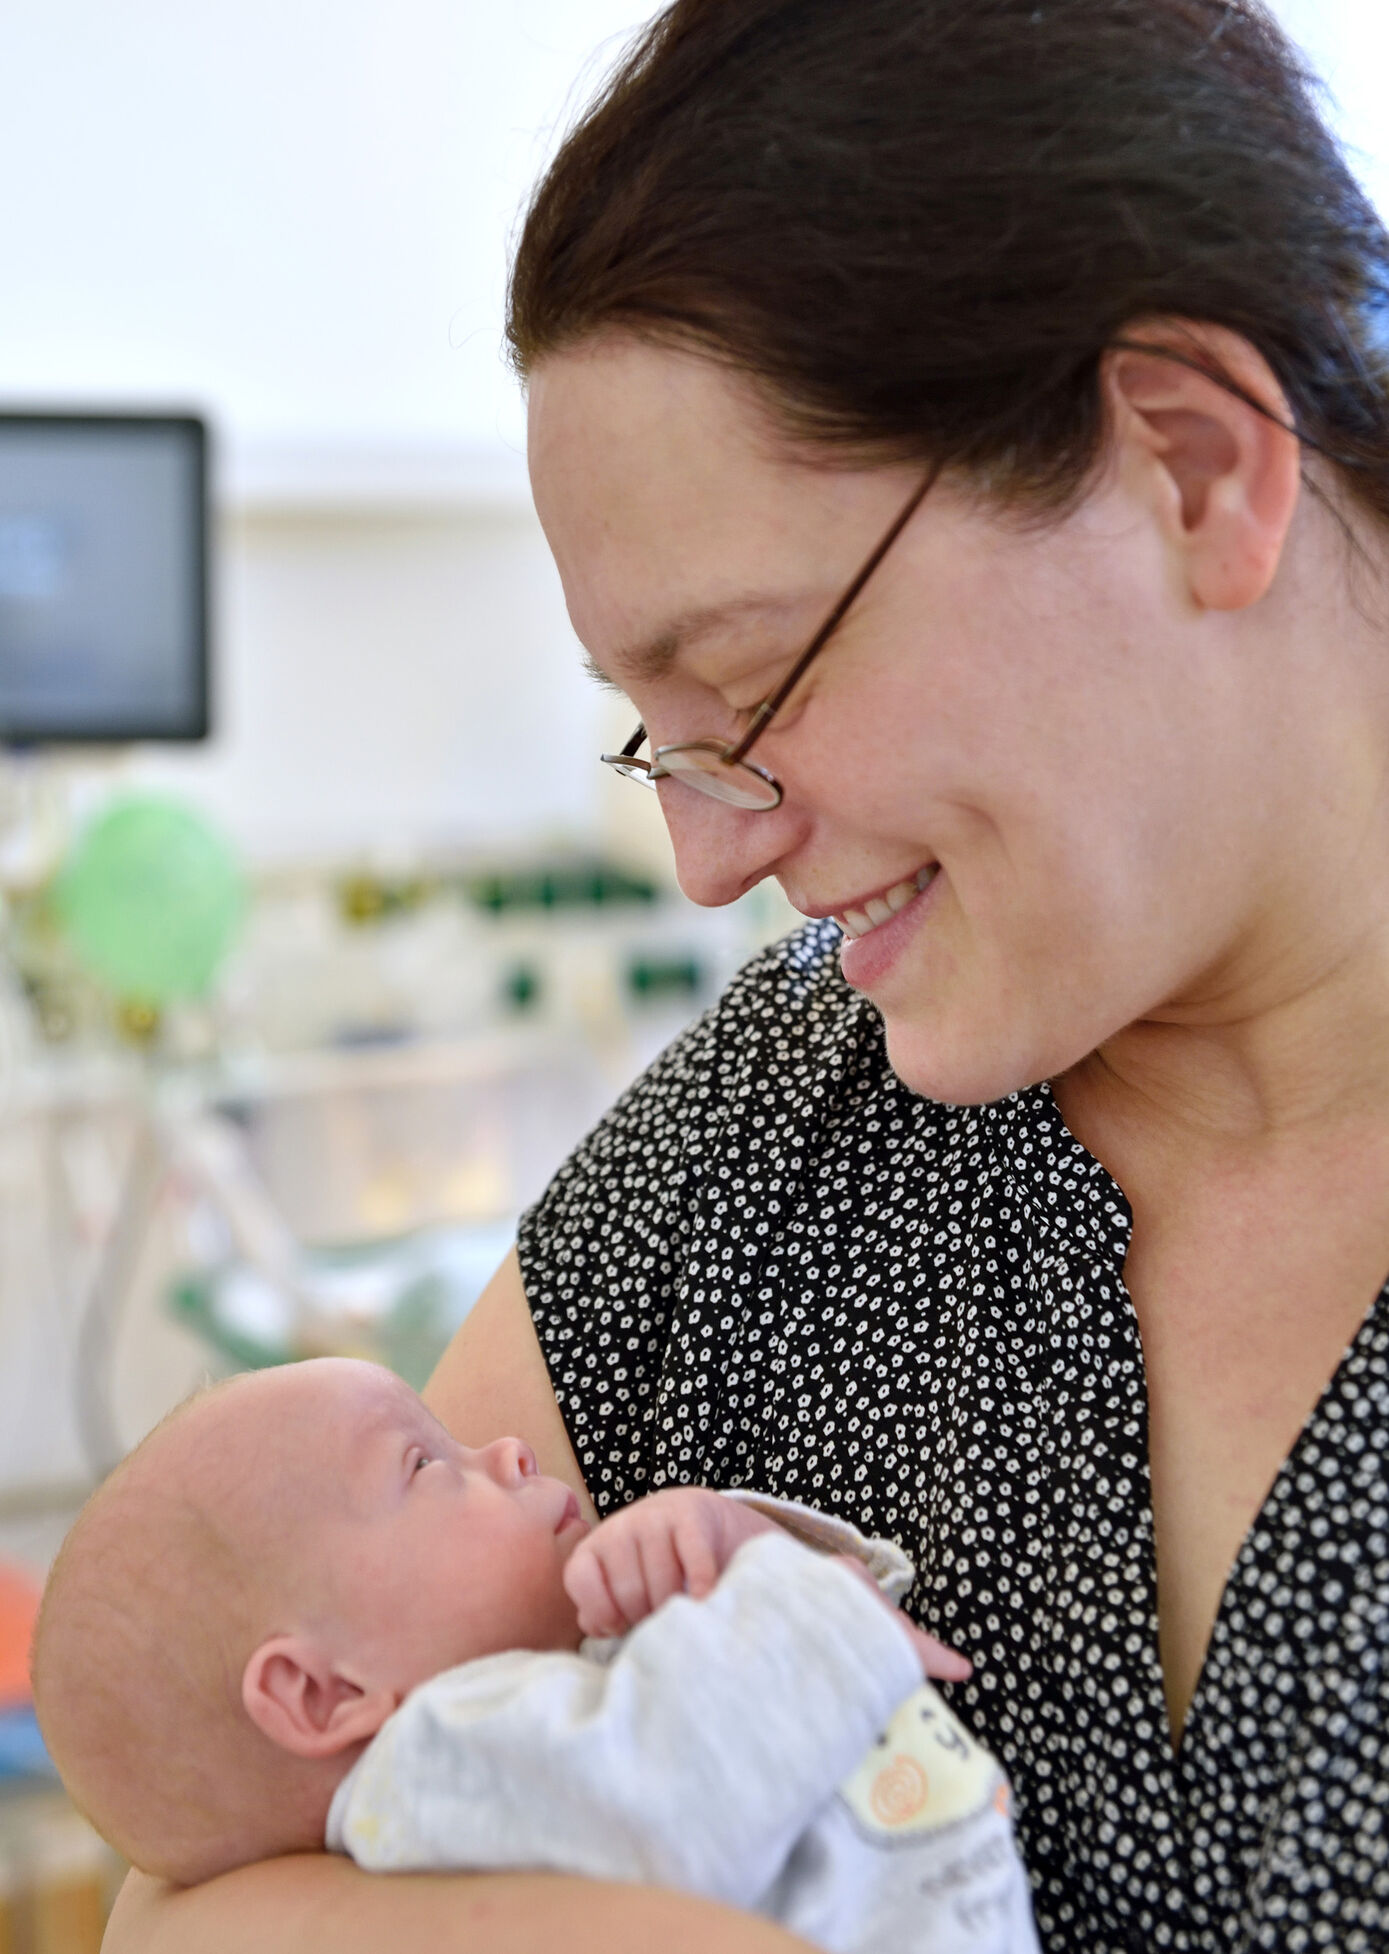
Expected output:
(774, 1266)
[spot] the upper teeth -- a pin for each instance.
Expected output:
(880, 909)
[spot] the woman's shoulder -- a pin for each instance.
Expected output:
(792, 995)
(772, 1050)
(785, 1028)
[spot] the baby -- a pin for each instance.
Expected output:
(301, 1613)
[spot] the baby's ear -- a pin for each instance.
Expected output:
(294, 1693)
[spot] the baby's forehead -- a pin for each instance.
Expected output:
(294, 1437)
(330, 1411)
(357, 1399)
(260, 1421)
(324, 1391)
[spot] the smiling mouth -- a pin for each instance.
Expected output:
(863, 919)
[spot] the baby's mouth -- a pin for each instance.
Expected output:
(863, 918)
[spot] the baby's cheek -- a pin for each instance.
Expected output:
(565, 1587)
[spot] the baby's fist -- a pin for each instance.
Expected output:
(674, 1542)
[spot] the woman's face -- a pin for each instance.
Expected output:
(1039, 724)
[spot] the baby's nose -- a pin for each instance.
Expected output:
(511, 1460)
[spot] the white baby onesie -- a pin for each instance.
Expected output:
(771, 1746)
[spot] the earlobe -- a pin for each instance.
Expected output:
(1228, 475)
(296, 1696)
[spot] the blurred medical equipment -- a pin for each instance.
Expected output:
(464, 1135)
(341, 1119)
(103, 578)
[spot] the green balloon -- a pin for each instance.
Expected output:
(150, 899)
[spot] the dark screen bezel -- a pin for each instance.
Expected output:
(198, 724)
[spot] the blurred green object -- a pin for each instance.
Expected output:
(397, 1301)
(577, 882)
(150, 899)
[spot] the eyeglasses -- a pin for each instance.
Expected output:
(722, 769)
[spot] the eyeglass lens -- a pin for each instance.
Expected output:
(705, 769)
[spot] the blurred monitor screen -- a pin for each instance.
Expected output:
(103, 578)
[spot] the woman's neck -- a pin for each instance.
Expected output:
(1292, 1055)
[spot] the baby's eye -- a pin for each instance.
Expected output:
(421, 1459)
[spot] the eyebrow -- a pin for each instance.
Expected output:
(382, 1433)
(643, 663)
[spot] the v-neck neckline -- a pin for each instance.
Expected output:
(1281, 1490)
(1104, 1193)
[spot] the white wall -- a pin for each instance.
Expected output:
(1347, 42)
(294, 211)
(297, 212)
(394, 680)
(295, 215)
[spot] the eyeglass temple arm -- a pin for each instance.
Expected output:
(830, 625)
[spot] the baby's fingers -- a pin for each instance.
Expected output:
(698, 1557)
(586, 1584)
(942, 1664)
(662, 1573)
(622, 1556)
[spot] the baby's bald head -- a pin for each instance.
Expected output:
(254, 1591)
(173, 1573)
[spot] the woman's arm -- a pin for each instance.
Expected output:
(492, 1382)
(302, 1905)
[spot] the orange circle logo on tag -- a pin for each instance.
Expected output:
(899, 1792)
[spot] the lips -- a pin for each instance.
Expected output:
(568, 1513)
(861, 920)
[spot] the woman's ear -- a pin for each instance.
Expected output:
(1226, 477)
(293, 1693)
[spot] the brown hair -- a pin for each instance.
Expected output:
(918, 224)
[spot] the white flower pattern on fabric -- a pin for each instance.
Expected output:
(772, 1265)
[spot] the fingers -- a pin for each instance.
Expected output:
(698, 1556)
(940, 1663)
(661, 1571)
(638, 1559)
(677, 1543)
(620, 1574)
(586, 1584)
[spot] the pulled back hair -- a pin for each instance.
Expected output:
(917, 225)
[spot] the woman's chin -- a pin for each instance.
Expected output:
(965, 1065)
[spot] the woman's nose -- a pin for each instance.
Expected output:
(721, 852)
(509, 1461)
